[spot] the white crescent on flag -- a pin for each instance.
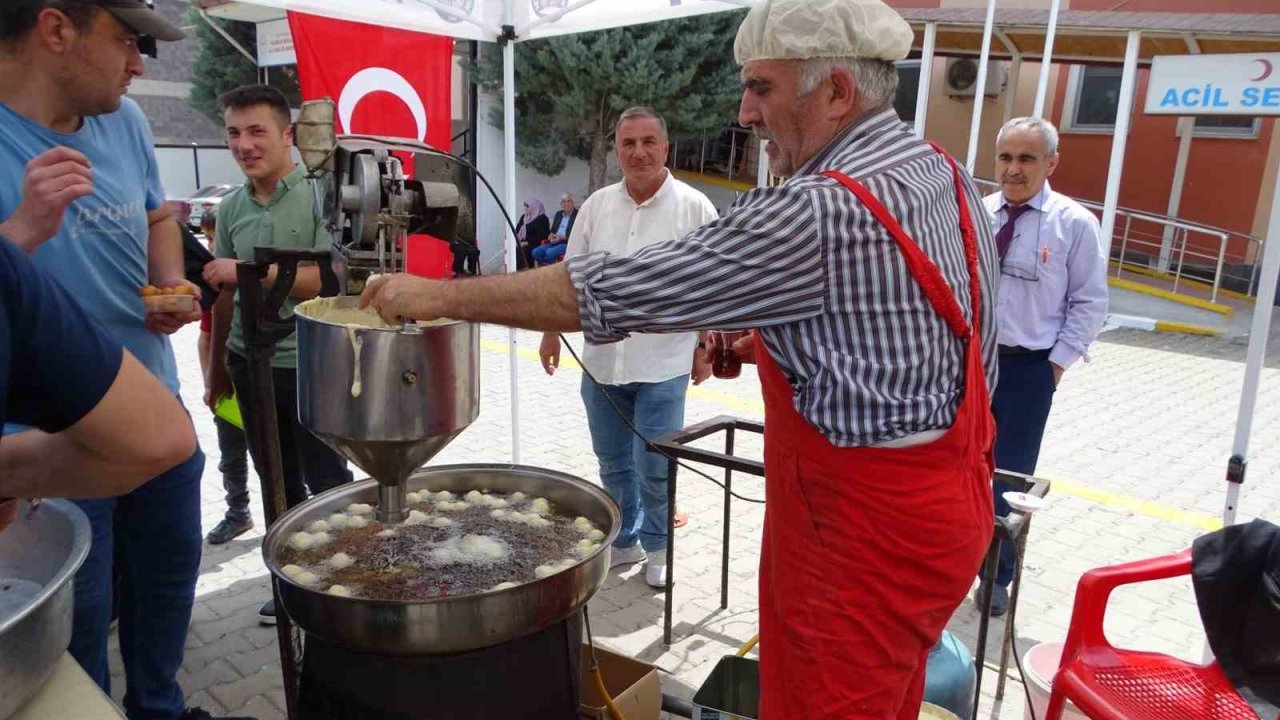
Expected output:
(380, 79)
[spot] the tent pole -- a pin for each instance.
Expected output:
(1254, 360)
(980, 92)
(509, 190)
(1011, 80)
(926, 77)
(1124, 114)
(223, 34)
(1046, 60)
(1186, 128)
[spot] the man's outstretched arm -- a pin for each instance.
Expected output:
(542, 299)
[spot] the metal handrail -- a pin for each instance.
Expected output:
(1181, 231)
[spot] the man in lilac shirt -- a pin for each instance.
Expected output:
(1052, 299)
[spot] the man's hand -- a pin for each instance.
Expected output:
(53, 180)
(168, 323)
(400, 297)
(1057, 373)
(701, 360)
(220, 273)
(217, 384)
(8, 512)
(745, 347)
(549, 351)
(552, 239)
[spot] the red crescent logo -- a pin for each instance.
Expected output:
(1267, 69)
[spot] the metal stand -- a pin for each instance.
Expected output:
(263, 328)
(1012, 528)
(1007, 529)
(676, 447)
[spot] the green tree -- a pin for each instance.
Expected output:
(571, 89)
(219, 66)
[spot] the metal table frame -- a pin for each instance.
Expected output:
(1013, 528)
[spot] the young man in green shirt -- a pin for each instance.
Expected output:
(275, 208)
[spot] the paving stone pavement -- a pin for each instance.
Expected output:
(1138, 443)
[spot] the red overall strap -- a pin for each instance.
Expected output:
(848, 573)
(922, 268)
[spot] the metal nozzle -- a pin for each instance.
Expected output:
(392, 505)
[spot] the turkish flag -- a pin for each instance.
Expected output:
(384, 81)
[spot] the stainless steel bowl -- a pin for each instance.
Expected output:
(454, 624)
(39, 555)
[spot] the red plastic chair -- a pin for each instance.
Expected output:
(1108, 683)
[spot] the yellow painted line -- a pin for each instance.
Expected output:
(1197, 284)
(1136, 506)
(713, 180)
(1106, 499)
(1171, 296)
(1185, 328)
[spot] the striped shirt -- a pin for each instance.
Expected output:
(869, 359)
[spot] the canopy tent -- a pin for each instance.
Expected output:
(480, 19)
(1127, 38)
(502, 21)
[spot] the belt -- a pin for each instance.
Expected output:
(1019, 350)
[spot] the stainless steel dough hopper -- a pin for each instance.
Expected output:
(387, 399)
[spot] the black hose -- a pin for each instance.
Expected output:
(503, 210)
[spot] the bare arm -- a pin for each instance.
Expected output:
(137, 431)
(542, 299)
(306, 284)
(217, 383)
(164, 249)
(760, 266)
(202, 348)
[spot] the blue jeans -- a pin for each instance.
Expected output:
(547, 254)
(1021, 406)
(636, 478)
(157, 531)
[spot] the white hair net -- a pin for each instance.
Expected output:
(802, 29)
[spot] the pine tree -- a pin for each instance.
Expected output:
(218, 66)
(571, 89)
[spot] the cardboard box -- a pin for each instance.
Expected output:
(633, 685)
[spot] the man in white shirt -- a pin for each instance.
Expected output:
(1052, 300)
(646, 375)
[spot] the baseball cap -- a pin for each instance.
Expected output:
(142, 19)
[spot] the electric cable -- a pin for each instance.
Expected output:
(502, 209)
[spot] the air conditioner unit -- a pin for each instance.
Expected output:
(961, 77)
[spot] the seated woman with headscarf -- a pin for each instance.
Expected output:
(532, 231)
(552, 249)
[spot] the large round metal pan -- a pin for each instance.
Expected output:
(452, 624)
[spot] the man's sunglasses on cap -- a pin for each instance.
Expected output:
(141, 17)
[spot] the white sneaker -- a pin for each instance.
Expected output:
(655, 573)
(625, 556)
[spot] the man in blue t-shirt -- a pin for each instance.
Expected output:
(61, 374)
(80, 191)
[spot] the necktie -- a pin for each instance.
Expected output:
(1004, 238)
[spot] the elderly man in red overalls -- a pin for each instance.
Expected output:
(868, 276)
